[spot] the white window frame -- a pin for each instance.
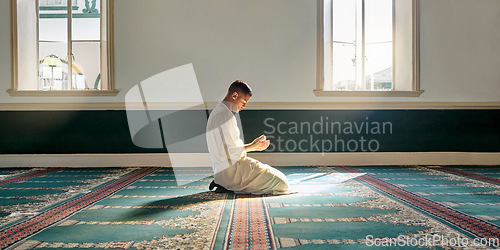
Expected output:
(107, 62)
(409, 87)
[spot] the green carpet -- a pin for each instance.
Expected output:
(329, 210)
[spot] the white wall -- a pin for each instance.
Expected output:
(460, 50)
(5, 58)
(271, 44)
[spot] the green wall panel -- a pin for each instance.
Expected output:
(66, 132)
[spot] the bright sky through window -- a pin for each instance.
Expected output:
(80, 49)
(362, 44)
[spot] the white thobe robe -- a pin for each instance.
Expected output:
(233, 169)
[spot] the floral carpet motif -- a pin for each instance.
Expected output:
(332, 207)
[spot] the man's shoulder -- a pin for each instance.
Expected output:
(220, 110)
(219, 114)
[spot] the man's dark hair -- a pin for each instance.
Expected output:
(240, 87)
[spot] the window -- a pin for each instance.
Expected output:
(62, 47)
(368, 48)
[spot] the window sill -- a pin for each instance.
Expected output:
(325, 93)
(62, 92)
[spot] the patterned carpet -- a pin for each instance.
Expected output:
(334, 207)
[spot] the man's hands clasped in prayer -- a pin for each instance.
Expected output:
(260, 143)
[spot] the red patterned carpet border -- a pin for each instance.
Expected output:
(249, 227)
(470, 175)
(468, 223)
(28, 175)
(29, 227)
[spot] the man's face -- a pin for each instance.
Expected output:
(241, 101)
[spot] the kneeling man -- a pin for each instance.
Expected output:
(233, 169)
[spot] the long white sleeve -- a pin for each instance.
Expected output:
(223, 138)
